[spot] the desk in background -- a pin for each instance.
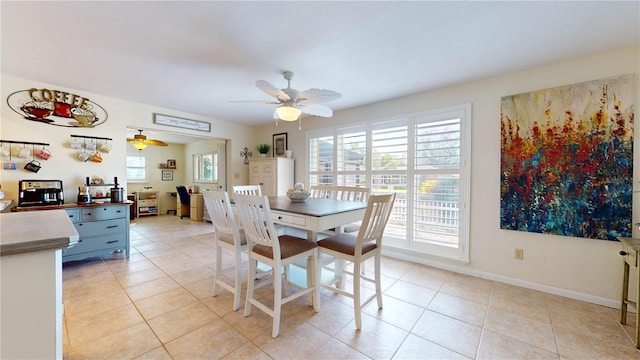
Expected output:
(196, 207)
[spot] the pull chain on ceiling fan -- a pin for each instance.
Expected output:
(293, 103)
(141, 142)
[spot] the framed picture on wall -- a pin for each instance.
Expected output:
(280, 144)
(171, 164)
(167, 175)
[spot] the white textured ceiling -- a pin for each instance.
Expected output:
(197, 57)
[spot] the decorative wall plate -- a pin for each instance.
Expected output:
(57, 107)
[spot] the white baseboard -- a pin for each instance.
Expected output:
(404, 255)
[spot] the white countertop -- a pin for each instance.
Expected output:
(29, 231)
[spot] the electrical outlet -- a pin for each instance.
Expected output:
(519, 254)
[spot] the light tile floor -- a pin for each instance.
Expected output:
(158, 305)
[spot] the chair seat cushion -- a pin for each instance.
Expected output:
(228, 238)
(353, 227)
(345, 243)
(289, 246)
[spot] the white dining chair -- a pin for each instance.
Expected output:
(265, 246)
(347, 193)
(351, 193)
(357, 249)
(229, 236)
(322, 191)
(248, 189)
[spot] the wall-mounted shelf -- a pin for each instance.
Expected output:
(91, 137)
(23, 142)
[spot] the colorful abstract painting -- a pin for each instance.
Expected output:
(567, 159)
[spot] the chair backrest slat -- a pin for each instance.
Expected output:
(349, 193)
(220, 211)
(248, 190)
(255, 215)
(375, 218)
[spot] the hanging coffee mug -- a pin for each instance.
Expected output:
(96, 158)
(105, 147)
(83, 155)
(24, 153)
(43, 154)
(90, 146)
(33, 166)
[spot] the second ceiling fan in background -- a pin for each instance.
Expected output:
(141, 142)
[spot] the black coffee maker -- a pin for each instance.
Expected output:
(40, 192)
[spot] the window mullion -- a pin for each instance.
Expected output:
(411, 183)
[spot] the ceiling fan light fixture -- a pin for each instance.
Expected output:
(140, 145)
(288, 112)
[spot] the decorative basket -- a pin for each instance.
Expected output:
(298, 196)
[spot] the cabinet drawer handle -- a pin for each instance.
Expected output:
(119, 211)
(89, 214)
(112, 226)
(623, 253)
(71, 216)
(112, 241)
(279, 217)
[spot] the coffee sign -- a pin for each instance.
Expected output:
(56, 107)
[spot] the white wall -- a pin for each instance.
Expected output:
(72, 172)
(581, 268)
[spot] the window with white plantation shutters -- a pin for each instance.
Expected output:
(437, 181)
(389, 159)
(351, 161)
(424, 158)
(136, 168)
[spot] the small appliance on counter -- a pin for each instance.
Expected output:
(117, 193)
(40, 192)
(84, 197)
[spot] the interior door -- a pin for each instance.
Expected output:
(222, 167)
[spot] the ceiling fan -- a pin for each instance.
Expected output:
(140, 141)
(292, 103)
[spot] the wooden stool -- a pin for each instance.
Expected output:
(630, 249)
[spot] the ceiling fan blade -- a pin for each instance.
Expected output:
(268, 88)
(155, 142)
(317, 96)
(316, 110)
(256, 102)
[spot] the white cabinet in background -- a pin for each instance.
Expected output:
(275, 175)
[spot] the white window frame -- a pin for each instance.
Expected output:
(405, 244)
(146, 168)
(198, 168)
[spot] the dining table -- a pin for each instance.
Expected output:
(315, 215)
